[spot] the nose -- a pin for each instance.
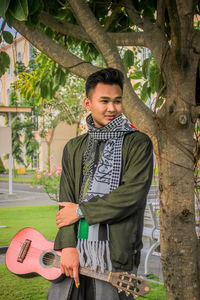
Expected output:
(111, 107)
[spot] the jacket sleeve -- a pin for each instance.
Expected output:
(66, 236)
(132, 191)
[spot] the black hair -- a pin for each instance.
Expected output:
(106, 76)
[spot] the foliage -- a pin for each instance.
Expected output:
(57, 93)
(149, 79)
(4, 62)
(17, 127)
(49, 180)
(31, 145)
(2, 168)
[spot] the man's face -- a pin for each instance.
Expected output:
(104, 103)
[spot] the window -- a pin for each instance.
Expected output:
(19, 57)
(8, 73)
(35, 122)
(35, 161)
(31, 55)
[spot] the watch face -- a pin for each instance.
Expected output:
(79, 212)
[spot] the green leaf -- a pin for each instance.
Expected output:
(4, 62)
(44, 90)
(137, 85)
(58, 75)
(35, 6)
(8, 37)
(63, 77)
(3, 7)
(128, 59)
(146, 67)
(137, 74)
(154, 78)
(144, 92)
(19, 9)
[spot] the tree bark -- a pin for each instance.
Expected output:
(179, 243)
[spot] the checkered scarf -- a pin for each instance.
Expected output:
(106, 142)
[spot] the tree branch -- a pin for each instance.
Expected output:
(181, 16)
(196, 42)
(64, 27)
(135, 16)
(56, 52)
(100, 40)
(134, 108)
(112, 17)
(76, 31)
(161, 14)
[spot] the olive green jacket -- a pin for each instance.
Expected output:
(122, 209)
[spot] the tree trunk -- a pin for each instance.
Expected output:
(179, 243)
(49, 141)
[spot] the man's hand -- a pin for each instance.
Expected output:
(67, 215)
(69, 263)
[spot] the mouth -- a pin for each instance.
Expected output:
(110, 117)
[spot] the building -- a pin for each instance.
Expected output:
(21, 51)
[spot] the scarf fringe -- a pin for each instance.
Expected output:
(95, 254)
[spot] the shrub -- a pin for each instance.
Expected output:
(50, 181)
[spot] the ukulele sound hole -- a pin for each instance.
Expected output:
(48, 259)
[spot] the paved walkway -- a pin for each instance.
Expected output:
(23, 198)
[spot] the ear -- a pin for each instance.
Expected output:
(87, 103)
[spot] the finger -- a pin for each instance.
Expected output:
(70, 272)
(76, 277)
(62, 269)
(58, 218)
(61, 225)
(66, 271)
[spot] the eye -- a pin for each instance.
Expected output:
(118, 101)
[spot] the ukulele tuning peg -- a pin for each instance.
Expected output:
(127, 294)
(119, 290)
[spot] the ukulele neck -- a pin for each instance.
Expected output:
(86, 271)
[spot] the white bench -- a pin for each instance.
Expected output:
(151, 223)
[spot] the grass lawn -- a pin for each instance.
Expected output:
(36, 288)
(41, 218)
(16, 179)
(16, 287)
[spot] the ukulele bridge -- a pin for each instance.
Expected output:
(23, 251)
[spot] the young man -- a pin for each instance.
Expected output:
(106, 175)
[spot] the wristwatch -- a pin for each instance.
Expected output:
(79, 212)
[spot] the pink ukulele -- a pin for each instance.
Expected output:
(30, 252)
